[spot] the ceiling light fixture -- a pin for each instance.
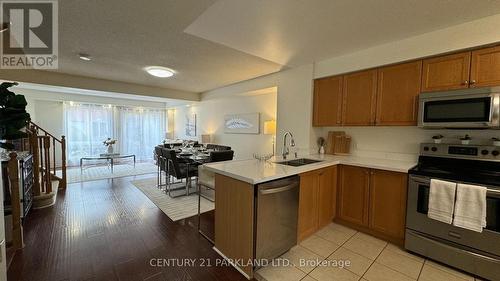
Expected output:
(84, 57)
(159, 71)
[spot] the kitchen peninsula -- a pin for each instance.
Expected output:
(367, 194)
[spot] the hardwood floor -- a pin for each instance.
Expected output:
(108, 230)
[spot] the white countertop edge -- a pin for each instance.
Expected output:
(330, 160)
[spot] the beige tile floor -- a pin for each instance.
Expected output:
(371, 259)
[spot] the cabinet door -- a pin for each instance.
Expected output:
(327, 195)
(353, 194)
(485, 67)
(446, 72)
(308, 205)
(397, 95)
(388, 202)
(327, 109)
(359, 93)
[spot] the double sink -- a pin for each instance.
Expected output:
(298, 162)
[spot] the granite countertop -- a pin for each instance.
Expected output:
(255, 171)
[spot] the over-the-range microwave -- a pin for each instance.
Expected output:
(468, 109)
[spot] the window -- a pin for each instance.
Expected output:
(138, 130)
(86, 126)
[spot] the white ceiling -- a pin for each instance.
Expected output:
(124, 36)
(215, 43)
(297, 32)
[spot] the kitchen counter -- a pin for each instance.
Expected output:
(255, 171)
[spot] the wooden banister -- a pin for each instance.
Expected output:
(44, 146)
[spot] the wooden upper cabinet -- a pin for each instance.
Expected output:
(328, 101)
(397, 95)
(327, 195)
(353, 201)
(308, 205)
(388, 202)
(360, 90)
(446, 72)
(485, 67)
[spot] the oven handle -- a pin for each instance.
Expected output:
(457, 249)
(427, 181)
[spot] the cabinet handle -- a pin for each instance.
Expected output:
(472, 82)
(465, 82)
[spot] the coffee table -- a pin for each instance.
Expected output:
(109, 159)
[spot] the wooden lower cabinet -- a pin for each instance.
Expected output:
(388, 202)
(353, 194)
(373, 201)
(316, 200)
(327, 195)
(308, 205)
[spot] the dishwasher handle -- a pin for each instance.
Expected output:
(279, 189)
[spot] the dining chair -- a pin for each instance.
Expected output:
(206, 179)
(161, 163)
(180, 171)
(222, 155)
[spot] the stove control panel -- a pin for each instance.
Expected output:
(460, 151)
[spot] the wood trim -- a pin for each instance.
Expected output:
(234, 219)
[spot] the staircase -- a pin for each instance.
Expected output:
(46, 149)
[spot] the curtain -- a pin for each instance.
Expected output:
(86, 127)
(140, 130)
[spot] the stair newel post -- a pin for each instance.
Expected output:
(17, 228)
(35, 150)
(48, 180)
(63, 164)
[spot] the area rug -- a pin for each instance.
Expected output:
(175, 208)
(104, 172)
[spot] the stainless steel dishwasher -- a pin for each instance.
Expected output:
(277, 216)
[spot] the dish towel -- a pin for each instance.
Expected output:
(442, 200)
(470, 208)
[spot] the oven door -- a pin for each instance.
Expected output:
(417, 220)
(466, 111)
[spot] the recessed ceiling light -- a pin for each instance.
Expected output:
(159, 71)
(84, 57)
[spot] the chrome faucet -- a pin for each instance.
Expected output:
(286, 150)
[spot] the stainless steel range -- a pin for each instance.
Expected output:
(474, 252)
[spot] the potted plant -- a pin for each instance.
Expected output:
(109, 143)
(13, 116)
(438, 138)
(465, 139)
(321, 144)
(496, 141)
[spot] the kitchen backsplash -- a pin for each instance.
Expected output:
(402, 143)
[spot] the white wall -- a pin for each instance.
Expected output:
(210, 120)
(295, 90)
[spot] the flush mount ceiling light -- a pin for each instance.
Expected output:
(84, 57)
(159, 71)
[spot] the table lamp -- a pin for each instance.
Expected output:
(270, 129)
